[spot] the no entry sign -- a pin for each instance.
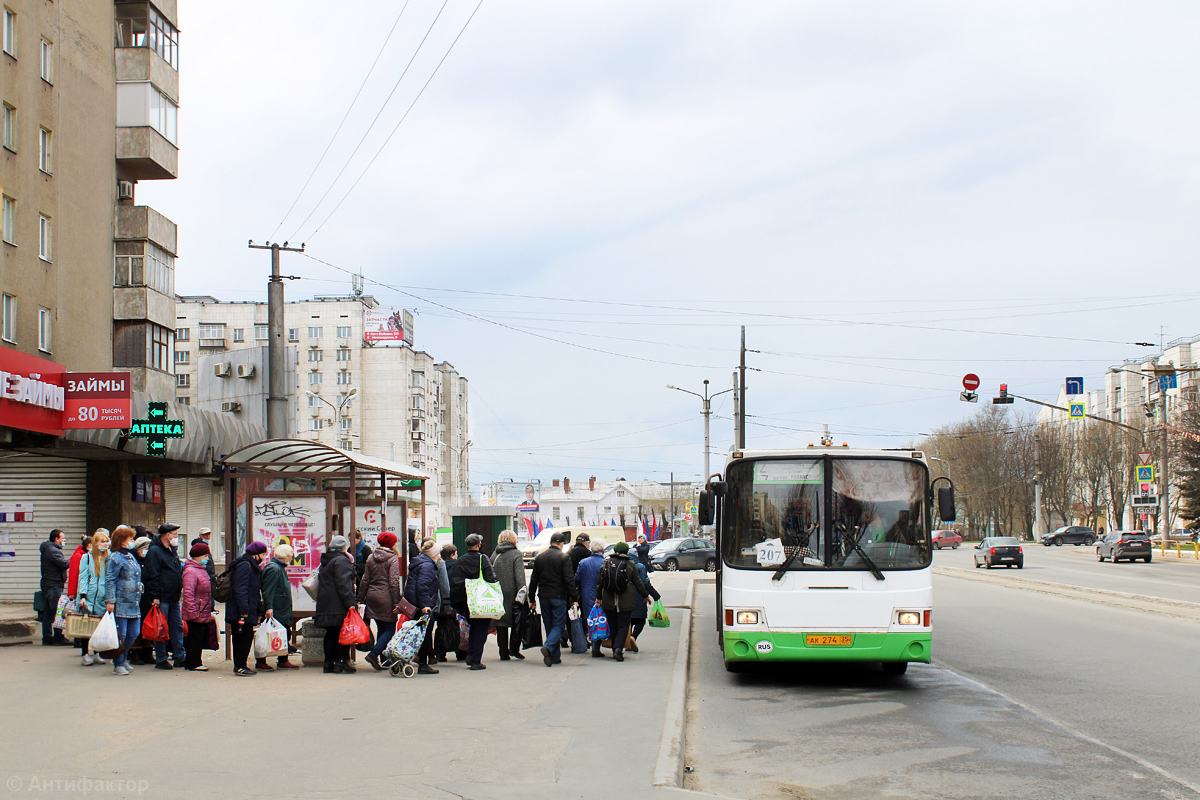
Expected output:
(970, 381)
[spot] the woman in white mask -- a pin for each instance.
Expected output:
(91, 584)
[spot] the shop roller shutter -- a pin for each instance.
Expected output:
(57, 487)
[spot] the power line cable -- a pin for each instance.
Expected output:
(371, 127)
(383, 146)
(346, 116)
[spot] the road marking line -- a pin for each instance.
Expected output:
(1184, 782)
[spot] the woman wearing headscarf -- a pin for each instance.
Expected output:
(335, 597)
(196, 606)
(277, 597)
(379, 589)
(91, 585)
(423, 590)
(123, 593)
(241, 612)
(510, 571)
(473, 564)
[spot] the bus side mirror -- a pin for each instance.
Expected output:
(704, 507)
(945, 501)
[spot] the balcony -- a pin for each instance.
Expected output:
(144, 154)
(143, 222)
(142, 64)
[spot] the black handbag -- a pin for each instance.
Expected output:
(531, 628)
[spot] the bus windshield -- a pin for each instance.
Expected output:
(776, 515)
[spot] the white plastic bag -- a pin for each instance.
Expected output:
(105, 637)
(270, 639)
(484, 600)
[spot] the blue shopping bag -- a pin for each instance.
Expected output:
(597, 624)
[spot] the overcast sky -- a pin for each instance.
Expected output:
(589, 199)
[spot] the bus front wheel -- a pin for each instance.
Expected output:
(889, 667)
(735, 666)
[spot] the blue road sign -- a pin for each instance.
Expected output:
(1074, 386)
(1078, 410)
(1145, 474)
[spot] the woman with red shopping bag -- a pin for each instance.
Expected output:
(335, 601)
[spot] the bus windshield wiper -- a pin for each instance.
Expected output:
(787, 562)
(866, 558)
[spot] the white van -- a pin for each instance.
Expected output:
(607, 534)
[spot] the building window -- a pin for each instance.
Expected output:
(608, 509)
(417, 380)
(314, 332)
(140, 105)
(418, 425)
(345, 424)
(416, 447)
(620, 493)
(183, 334)
(10, 32)
(212, 331)
(314, 379)
(621, 510)
(184, 401)
(343, 354)
(143, 263)
(293, 334)
(10, 220)
(313, 402)
(315, 355)
(10, 318)
(343, 378)
(158, 347)
(44, 317)
(579, 513)
(140, 25)
(418, 402)
(44, 141)
(10, 127)
(262, 333)
(343, 331)
(45, 238)
(183, 381)
(182, 356)
(47, 61)
(1117, 415)
(314, 424)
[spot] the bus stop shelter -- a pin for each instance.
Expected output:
(296, 492)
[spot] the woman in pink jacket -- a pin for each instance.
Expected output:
(197, 606)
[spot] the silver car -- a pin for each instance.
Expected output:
(688, 553)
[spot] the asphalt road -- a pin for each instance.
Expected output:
(1030, 696)
(1168, 577)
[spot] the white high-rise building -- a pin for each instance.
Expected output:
(381, 397)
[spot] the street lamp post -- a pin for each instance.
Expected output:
(706, 411)
(337, 408)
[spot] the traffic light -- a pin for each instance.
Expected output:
(1003, 399)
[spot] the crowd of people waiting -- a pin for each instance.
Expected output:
(132, 570)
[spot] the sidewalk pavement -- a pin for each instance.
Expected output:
(589, 728)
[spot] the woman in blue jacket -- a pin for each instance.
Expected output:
(423, 590)
(123, 594)
(92, 572)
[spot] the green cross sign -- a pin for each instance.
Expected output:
(156, 429)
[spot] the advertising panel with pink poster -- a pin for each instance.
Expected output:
(297, 519)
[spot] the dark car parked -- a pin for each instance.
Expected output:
(999, 551)
(1130, 545)
(689, 553)
(1070, 534)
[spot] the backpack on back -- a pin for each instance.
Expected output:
(222, 585)
(613, 576)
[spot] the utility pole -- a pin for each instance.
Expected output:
(277, 400)
(737, 413)
(706, 411)
(1164, 475)
(741, 442)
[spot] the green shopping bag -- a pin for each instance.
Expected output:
(658, 616)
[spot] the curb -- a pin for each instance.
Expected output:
(668, 769)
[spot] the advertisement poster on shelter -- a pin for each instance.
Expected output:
(297, 520)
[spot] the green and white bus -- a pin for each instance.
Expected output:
(825, 555)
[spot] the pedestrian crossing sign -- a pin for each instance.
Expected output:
(1145, 474)
(1078, 410)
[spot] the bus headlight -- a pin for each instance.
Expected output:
(747, 618)
(909, 617)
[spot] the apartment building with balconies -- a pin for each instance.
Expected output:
(387, 400)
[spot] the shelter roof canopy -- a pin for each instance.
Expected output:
(299, 457)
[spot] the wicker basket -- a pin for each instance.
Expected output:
(81, 626)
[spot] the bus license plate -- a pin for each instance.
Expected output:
(827, 640)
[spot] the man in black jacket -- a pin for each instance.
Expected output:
(581, 550)
(162, 575)
(553, 582)
(55, 566)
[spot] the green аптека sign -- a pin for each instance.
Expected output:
(156, 429)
